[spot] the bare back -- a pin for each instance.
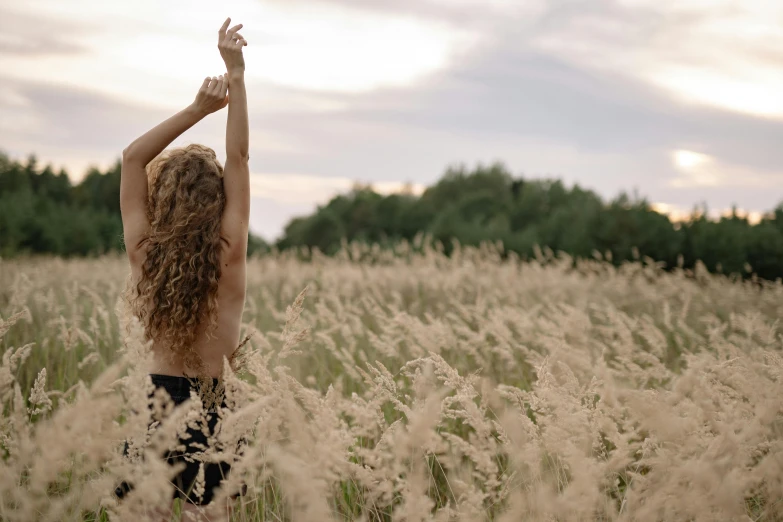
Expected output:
(230, 304)
(136, 212)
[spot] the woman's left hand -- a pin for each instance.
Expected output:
(213, 95)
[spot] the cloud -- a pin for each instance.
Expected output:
(701, 170)
(23, 46)
(31, 36)
(74, 127)
(303, 188)
(474, 14)
(297, 188)
(160, 60)
(353, 51)
(716, 53)
(719, 53)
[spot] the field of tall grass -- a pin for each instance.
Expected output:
(412, 387)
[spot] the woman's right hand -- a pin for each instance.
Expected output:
(212, 96)
(230, 44)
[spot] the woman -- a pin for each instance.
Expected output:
(185, 221)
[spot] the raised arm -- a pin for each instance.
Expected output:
(211, 97)
(236, 174)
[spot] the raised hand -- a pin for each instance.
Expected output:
(213, 95)
(230, 44)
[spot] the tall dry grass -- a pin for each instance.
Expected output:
(412, 387)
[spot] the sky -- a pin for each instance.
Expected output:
(680, 101)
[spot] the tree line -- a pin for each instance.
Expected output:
(488, 204)
(43, 212)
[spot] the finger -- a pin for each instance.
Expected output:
(213, 87)
(220, 86)
(237, 35)
(205, 85)
(222, 30)
(224, 89)
(241, 42)
(233, 30)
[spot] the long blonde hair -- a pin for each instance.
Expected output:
(176, 295)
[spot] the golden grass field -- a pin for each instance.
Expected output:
(414, 387)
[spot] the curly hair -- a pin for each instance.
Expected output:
(176, 295)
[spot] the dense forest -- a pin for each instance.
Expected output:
(42, 212)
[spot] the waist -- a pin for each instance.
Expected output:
(165, 365)
(179, 387)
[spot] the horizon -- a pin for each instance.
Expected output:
(675, 215)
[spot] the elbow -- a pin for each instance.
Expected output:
(130, 155)
(127, 154)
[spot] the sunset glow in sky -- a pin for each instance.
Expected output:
(678, 99)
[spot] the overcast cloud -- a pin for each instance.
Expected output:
(676, 99)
